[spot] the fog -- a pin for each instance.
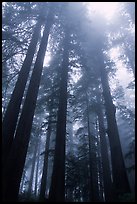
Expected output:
(68, 101)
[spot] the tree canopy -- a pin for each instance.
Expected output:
(68, 89)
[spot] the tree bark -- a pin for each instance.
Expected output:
(16, 159)
(12, 112)
(32, 168)
(120, 180)
(104, 154)
(57, 189)
(22, 181)
(37, 168)
(94, 191)
(45, 166)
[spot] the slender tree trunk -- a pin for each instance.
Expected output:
(37, 168)
(57, 189)
(12, 112)
(32, 169)
(45, 166)
(120, 180)
(100, 172)
(22, 181)
(99, 164)
(94, 193)
(104, 154)
(18, 152)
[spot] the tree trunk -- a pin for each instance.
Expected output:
(37, 168)
(45, 166)
(18, 152)
(12, 112)
(22, 181)
(94, 193)
(32, 169)
(104, 154)
(57, 189)
(120, 180)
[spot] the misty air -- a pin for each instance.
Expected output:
(68, 102)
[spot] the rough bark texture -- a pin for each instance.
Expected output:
(57, 190)
(16, 159)
(120, 180)
(12, 112)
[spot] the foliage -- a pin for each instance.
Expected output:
(88, 35)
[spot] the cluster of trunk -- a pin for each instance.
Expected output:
(16, 136)
(14, 163)
(120, 179)
(57, 190)
(12, 111)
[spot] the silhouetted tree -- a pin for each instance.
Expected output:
(120, 179)
(9, 126)
(16, 159)
(57, 190)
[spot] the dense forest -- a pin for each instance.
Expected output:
(68, 112)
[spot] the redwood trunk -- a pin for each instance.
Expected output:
(104, 154)
(120, 180)
(12, 112)
(33, 168)
(45, 166)
(57, 190)
(37, 168)
(94, 191)
(18, 152)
